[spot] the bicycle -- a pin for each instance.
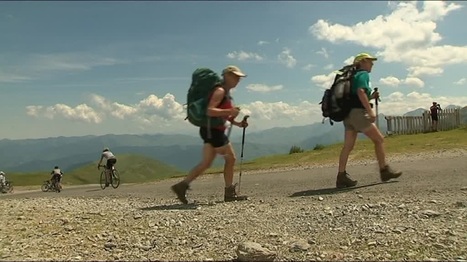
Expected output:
(113, 180)
(7, 188)
(53, 187)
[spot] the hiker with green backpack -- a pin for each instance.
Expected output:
(209, 107)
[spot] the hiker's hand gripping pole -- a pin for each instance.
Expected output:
(245, 118)
(377, 99)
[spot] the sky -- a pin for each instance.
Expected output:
(70, 68)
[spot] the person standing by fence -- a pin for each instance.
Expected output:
(434, 116)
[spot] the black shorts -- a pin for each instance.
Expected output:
(111, 162)
(217, 138)
(56, 177)
(434, 118)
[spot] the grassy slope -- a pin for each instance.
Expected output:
(401, 144)
(132, 169)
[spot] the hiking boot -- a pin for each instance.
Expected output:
(180, 190)
(231, 194)
(344, 180)
(388, 173)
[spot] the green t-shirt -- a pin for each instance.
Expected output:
(361, 79)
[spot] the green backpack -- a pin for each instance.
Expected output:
(203, 82)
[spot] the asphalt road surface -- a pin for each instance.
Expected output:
(421, 177)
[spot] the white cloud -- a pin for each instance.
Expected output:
(323, 81)
(263, 88)
(390, 81)
(165, 108)
(461, 81)
(13, 78)
(242, 56)
(424, 70)
(392, 4)
(414, 46)
(329, 67)
(277, 111)
(151, 109)
(308, 67)
(414, 81)
(69, 62)
(409, 81)
(115, 109)
(40, 65)
(263, 42)
(323, 52)
(395, 97)
(81, 112)
(286, 58)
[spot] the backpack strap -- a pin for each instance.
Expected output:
(226, 96)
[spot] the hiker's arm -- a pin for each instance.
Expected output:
(362, 95)
(216, 99)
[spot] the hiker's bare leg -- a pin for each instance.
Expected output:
(350, 137)
(208, 156)
(378, 140)
(229, 156)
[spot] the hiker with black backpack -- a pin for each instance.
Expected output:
(361, 118)
(209, 106)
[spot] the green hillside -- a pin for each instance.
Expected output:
(132, 169)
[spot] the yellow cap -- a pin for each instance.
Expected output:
(363, 56)
(233, 69)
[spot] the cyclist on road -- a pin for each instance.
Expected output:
(111, 161)
(56, 176)
(2, 178)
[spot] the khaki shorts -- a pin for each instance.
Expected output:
(357, 120)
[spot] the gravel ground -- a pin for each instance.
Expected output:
(293, 215)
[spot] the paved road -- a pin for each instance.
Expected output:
(442, 175)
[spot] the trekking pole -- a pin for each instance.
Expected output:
(241, 154)
(376, 104)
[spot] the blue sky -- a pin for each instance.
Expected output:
(80, 68)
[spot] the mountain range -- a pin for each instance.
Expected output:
(179, 151)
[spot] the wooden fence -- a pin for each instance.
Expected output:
(401, 125)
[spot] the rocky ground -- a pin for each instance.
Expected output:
(291, 215)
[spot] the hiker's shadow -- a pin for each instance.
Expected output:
(189, 206)
(333, 190)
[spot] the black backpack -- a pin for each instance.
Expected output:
(336, 101)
